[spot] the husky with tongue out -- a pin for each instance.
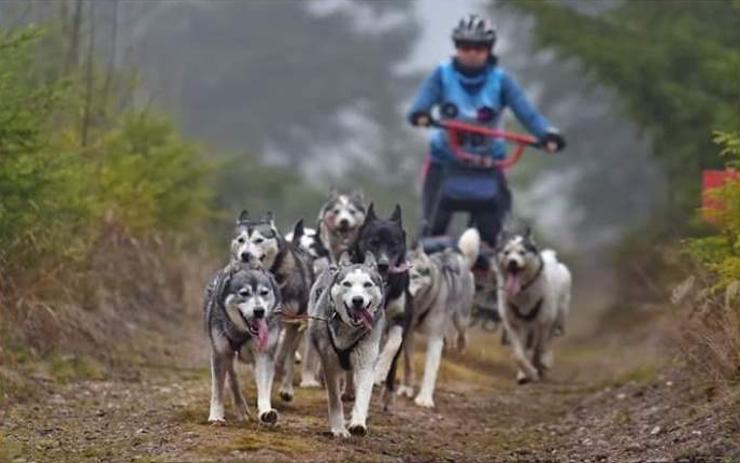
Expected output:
(533, 301)
(240, 318)
(347, 318)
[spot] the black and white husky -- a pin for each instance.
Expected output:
(259, 241)
(442, 287)
(240, 316)
(385, 240)
(345, 329)
(533, 302)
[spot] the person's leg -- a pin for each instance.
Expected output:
(430, 192)
(489, 218)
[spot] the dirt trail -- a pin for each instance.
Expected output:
(607, 400)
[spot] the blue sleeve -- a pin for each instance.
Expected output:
(429, 94)
(514, 97)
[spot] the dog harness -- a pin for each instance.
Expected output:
(532, 314)
(343, 354)
(529, 316)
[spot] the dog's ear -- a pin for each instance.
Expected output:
(345, 259)
(243, 217)
(223, 279)
(529, 236)
(370, 216)
(298, 232)
(396, 216)
(358, 196)
(275, 290)
(370, 259)
(333, 192)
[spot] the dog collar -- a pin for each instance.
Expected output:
(536, 275)
(403, 267)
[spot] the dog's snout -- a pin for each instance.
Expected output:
(344, 223)
(358, 301)
(246, 257)
(259, 312)
(512, 266)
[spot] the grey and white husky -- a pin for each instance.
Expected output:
(339, 220)
(257, 240)
(240, 317)
(345, 329)
(442, 287)
(533, 302)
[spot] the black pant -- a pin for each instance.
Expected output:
(486, 217)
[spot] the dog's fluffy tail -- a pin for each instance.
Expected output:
(469, 245)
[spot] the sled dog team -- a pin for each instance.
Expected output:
(353, 295)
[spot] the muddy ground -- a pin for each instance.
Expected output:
(612, 397)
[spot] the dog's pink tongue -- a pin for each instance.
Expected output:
(367, 319)
(513, 284)
(261, 334)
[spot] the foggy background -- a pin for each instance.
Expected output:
(319, 90)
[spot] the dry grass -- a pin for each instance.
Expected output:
(69, 322)
(710, 332)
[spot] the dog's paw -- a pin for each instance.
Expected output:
(217, 421)
(340, 432)
(348, 396)
(269, 417)
(426, 402)
(298, 359)
(286, 396)
(405, 391)
(310, 383)
(358, 430)
(523, 378)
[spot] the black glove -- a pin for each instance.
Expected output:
(554, 137)
(421, 118)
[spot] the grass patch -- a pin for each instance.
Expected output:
(641, 375)
(69, 368)
(260, 440)
(8, 450)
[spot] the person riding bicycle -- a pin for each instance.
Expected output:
(472, 87)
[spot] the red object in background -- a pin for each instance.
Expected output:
(712, 179)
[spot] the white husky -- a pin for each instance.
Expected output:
(533, 301)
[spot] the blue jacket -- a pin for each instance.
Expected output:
(492, 88)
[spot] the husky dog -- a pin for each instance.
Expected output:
(443, 288)
(385, 240)
(533, 301)
(258, 241)
(345, 329)
(240, 317)
(311, 243)
(339, 220)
